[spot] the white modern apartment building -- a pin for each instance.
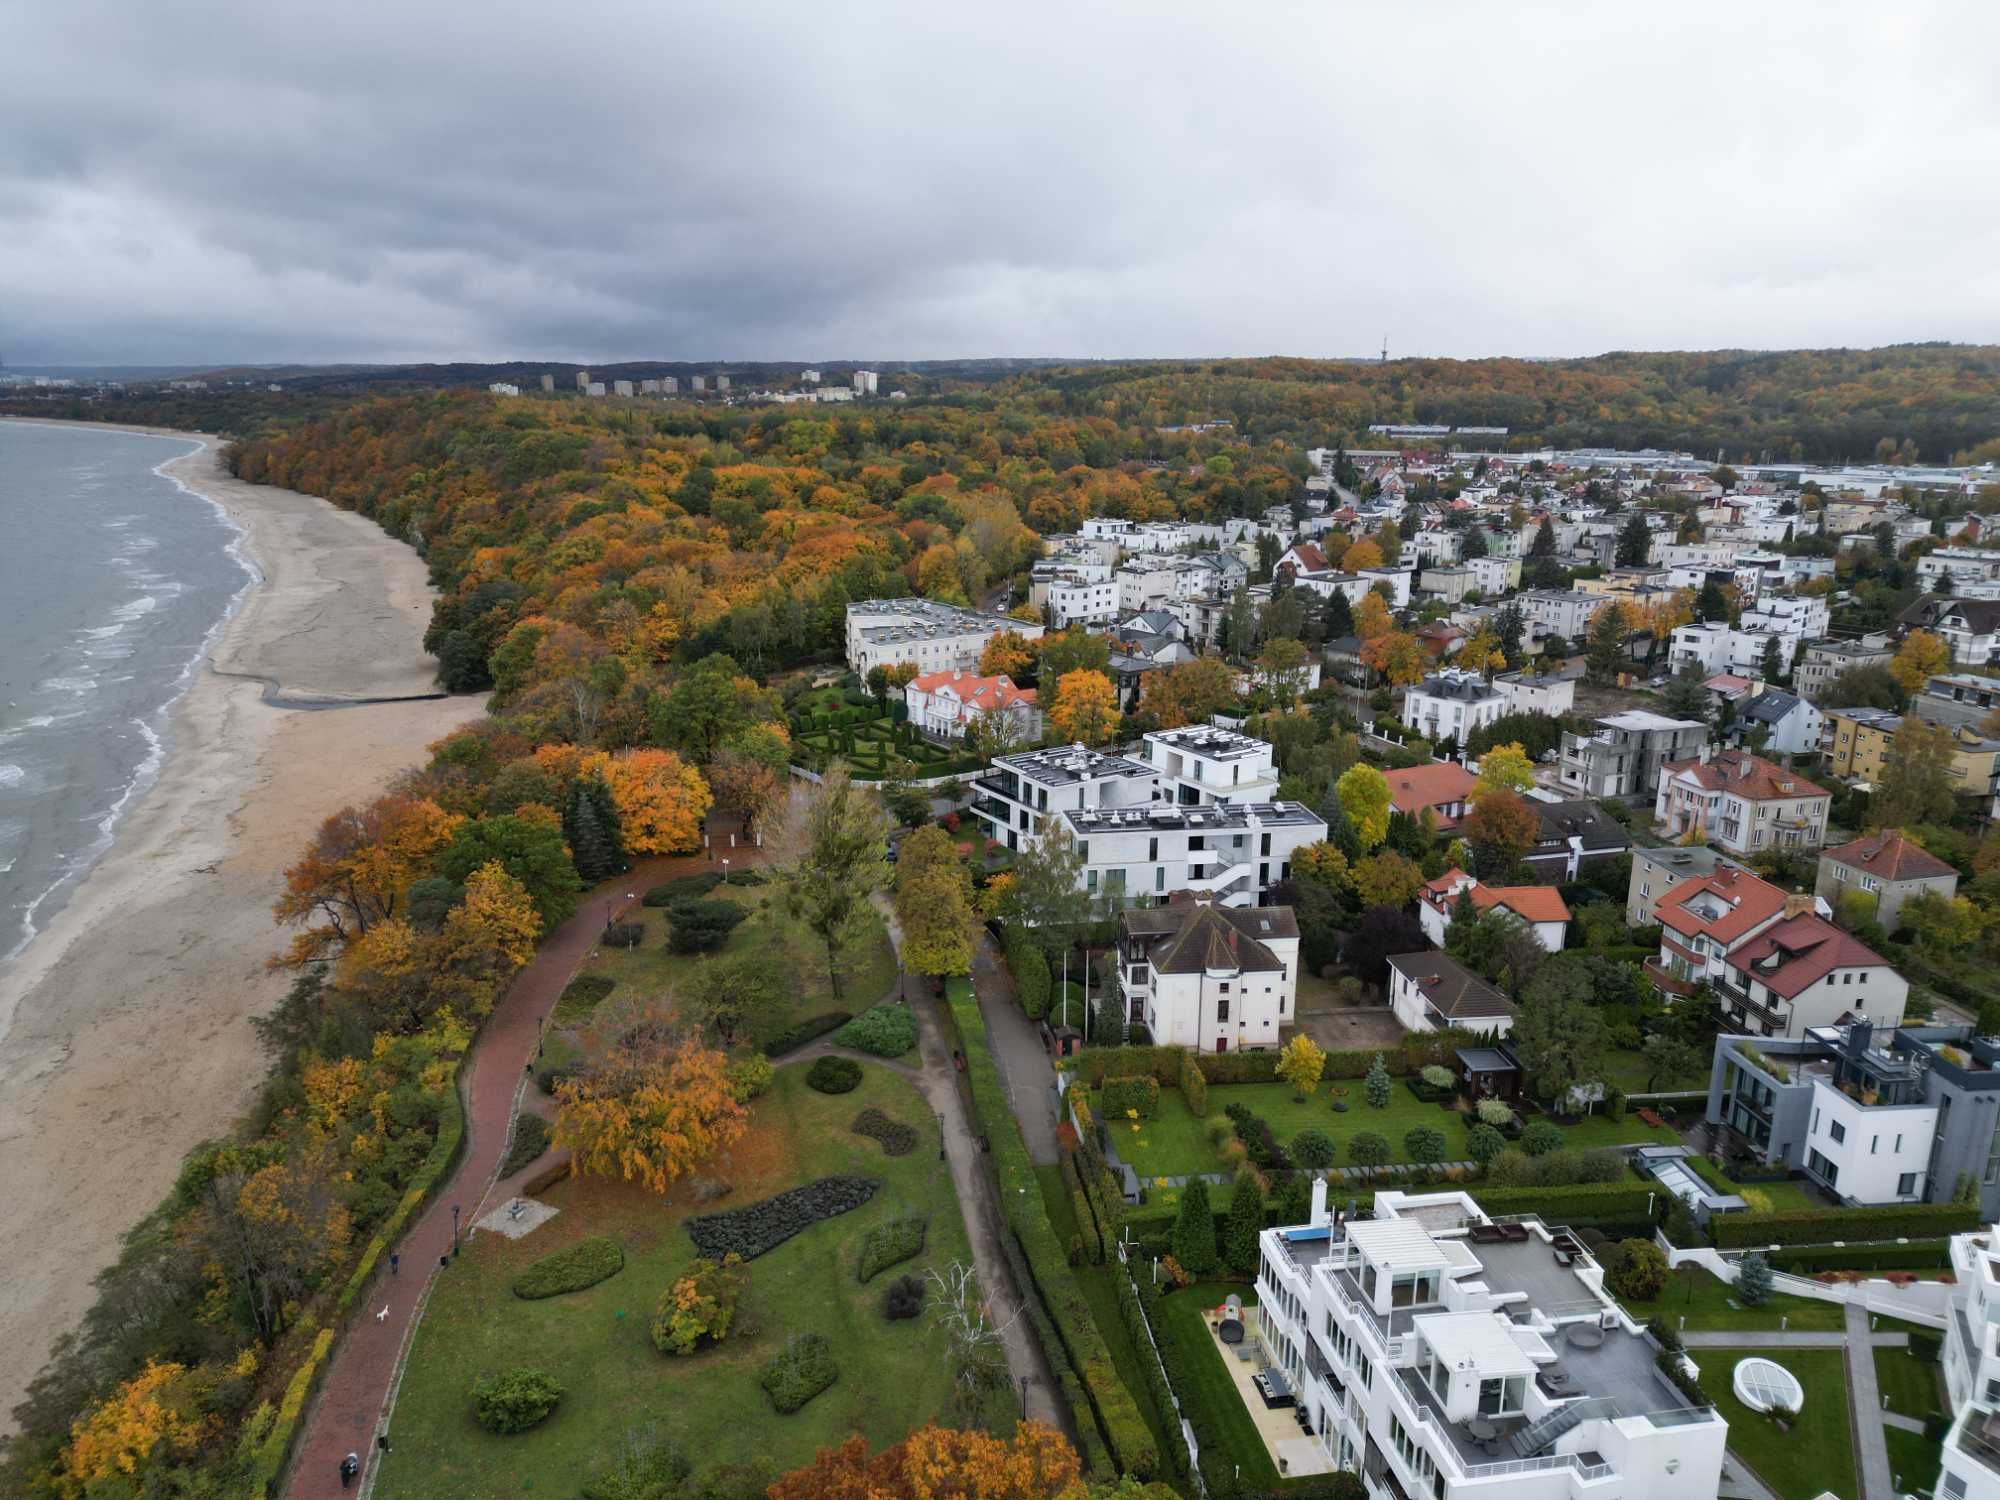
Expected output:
(1232, 851)
(1554, 695)
(1567, 612)
(1213, 978)
(1201, 764)
(1971, 1359)
(1495, 575)
(930, 636)
(1451, 704)
(1443, 1356)
(1716, 647)
(1072, 596)
(1961, 565)
(1017, 793)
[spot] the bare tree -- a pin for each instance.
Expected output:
(977, 1353)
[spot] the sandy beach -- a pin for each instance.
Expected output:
(124, 1026)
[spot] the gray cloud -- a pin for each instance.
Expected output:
(212, 181)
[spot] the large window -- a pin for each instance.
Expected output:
(1414, 1289)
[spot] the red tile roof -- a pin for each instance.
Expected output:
(1887, 855)
(1800, 952)
(1436, 785)
(983, 693)
(1531, 903)
(1750, 902)
(1748, 776)
(1309, 557)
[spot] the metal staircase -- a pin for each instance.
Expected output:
(1530, 1441)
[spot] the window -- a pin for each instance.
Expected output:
(1906, 1187)
(1222, 1008)
(1837, 1130)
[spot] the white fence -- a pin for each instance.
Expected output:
(1925, 1302)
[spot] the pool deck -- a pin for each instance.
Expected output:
(1292, 1452)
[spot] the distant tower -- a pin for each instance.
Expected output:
(722, 382)
(670, 385)
(583, 381)
(548, 384)
(1385, 348)
(697, 382)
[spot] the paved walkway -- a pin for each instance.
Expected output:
(356, 1393)
(1025, 1068)
(1858, 1344)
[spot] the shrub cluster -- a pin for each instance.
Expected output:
(1194, 1085)
(702, 926)
(1557, 1168)
(700, 1306)
(570, 1269)
(891, 1243)
(1254, 1131)
(1121, 1098)
(744, 877)
(893, 1136)
(530, 1140)
(1822, 1226)
(1637, 1270)
(624, 934)
(904, 1299)
(885, 1030)
(811, 1029)
(1032, 986)
(758, 1228)
(750, 1075)
(582, 995)
(547, 1079)
(516, 1401)
(834, 1075)
(684, 888)
(799, 1372)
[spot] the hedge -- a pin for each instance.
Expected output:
(1121, 1098)
(1089, 1440)
(891, 1243)
(759, 1228)
(833, 1075)
(1165, 1064)
(799, 1372)
(1086, 1217)
(1126, 1435)
(1823, 1226)
(1174, 1360)
(570, 1269)
(1193, 1085)
(1104, 1192)
(1031, 976)
(1157, 1384)
(1918, 1255)
(1586, 1203)
(811, 1029)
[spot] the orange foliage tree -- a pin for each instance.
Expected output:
(155, 1414)
(1006, 654)
(661, 800)
(360, 865)
(1086, 708)
(943, 1463)
(654, 1109)
(1189, 692)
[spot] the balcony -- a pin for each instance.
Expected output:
(1666, 981)
(1979, 1437)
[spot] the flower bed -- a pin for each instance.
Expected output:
(759, 1228)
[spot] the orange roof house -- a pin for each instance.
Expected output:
(1444, 786)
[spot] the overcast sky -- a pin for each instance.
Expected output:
(271, 181)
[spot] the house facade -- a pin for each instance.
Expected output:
(1442, 786)
(1706, 917)
(1655, 872)
(1740, 802)
(1573, 836)
(1886, 867)
(1803, 973)
(1209, 977)
(1786, 723)
(1431, 991)
(944, 705)
(1622, 754)
(1819, 662)
(1228, 850)
(930, 636)
(1971, 1469)
(1539, 907)
(1451, 704)
(1856, 744)
(1424, 1353)
(1015, 795)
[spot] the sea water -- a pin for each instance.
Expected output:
(114, 579)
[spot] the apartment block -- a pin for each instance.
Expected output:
(1440, 1354)
(1740, 802)
(932, 637)
(1855, 742)
(1971, 1363)
(1213, 978)
(1622, 756)
(1017, 793)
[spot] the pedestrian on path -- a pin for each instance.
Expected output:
(349, 1467)
(395, 1260)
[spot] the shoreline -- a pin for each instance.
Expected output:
(124, 1022)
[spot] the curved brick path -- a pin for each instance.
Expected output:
(356, 1389)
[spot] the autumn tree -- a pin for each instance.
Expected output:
(357, 870)
(712, 700)
(1044, 895)
(158, 1416)
(1386, 878)
(943, 1463)
(1300, 1063)
(650, 1111)
(1397, 655)
(1188, 692)
(1281, 669)
(832, 849)
(733, 998)
(1371, 617)
(485, 940)
(269, 1221)
(661, 800)
(1920, 657)
(1916, 781)
(1366, 553)
(1085, 710)
(1364, 797)
(527, 844)
(1501, 829)
(934, 904)
(1504, 768)
(748, 778)
(1007, 653)
(1062, 652)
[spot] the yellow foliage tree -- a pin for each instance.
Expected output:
(1366, 553)
(1371, 616)
(1504, 768)
(1397, 656)
(1921, 657)
(1386, 878)
(1086, 708)
(661, 800)
(1006, 654)
(1322, 862)
(1300, 1063)
(650, 1112)
(154, 1415)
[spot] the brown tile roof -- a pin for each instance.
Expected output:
(1531, 903)
(1801, 951)
(1750, 901)
(1456, 992)
(1435, 785)
(1745, 775)
(1887, 855)
(1309, 557)
(976, 692)
(1199, 935)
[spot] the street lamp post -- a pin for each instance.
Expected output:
(1024, 1398)
(454, 1229)
(940, 1137)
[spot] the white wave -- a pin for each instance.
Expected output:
(102, 632)
(11, 775)
(76, 687)
(145, 604)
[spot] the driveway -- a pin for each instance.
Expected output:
(1352, 1029)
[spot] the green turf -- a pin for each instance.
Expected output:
(1908, 1384)
(1695, 1295)
(867, 964)
(1213, 1388)
(893, 1376)
(1817, 1454)
(1174, 1143)
(1914, 1461)
(1626, 1068)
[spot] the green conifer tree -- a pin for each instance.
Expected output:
(1246, 1221)
(1194, 1230)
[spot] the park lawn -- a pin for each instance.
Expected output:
(596, 1342)
(1908, 1384)
(1175, 1144)
(1914, 1461)
(867, 965)
(1817, 1454)
(1704, 1301)
(1182, 1311)
(1098, 1290)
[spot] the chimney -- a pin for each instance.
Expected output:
(1318, 1214)
(1797, 904)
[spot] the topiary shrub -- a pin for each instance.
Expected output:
(893, 1136)
(1638, 1270)
(811, 1029)
(750, 1076)
(1425, 1144)
(892, 1243)
(801, 1370)
(702, 926)
(570, 1269)
(1541, 1137)
(530, 1140)
(624, 934)
(744, 877)
(1494, 1112)
(757, 1228)
(904, 1299)
(1311, 1149)
(1483, 1143)
(516, 1401)
(685, 888)
(1438, 1077)
(1368, 1148)
(1121, 1098)
(834, 1075)
(582, 995)
(700, 1306)
(885, 1030)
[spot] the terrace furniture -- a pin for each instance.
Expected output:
(1484, 1234)
(1556, 1381)
(1482, 1430)
(1514, 1234)
(1584, 1336)
(1564, 1258)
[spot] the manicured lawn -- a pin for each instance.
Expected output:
(616, 1385)
(1627, 1069)
(1914, 1461)
(1908, 1384)
(1817, 1454)
(1213, 1388)
(867, 967)
(1783, 1197)
(1098, 1290)
(1704, 1302)
(1174, 1143)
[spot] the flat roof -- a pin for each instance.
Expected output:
(1209, 741)
(1205, 817)
(1065, 765)
(1474, 1341)
(1397, 1243)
